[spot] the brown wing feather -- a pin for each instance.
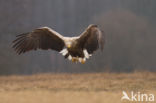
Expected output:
(42, 38)
(91, 39)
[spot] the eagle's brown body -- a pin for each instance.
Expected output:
(74, 48)
(76, 52)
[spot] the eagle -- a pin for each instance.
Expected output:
(76, 49)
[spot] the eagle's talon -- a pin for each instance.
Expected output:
(83, 61)
(74, 59)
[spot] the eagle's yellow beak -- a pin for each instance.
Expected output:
(68, 46)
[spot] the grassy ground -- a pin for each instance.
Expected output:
(74, 88)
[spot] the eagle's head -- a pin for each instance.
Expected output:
(69, 44)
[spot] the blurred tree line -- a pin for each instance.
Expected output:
(129, 31)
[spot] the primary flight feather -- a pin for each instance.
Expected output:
(77, 49)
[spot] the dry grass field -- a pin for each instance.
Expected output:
(74, 88)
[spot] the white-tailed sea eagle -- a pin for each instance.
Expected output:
(77, 49)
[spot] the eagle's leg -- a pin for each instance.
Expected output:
(83, 61)
(74, 59)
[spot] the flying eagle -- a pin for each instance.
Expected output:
(77, 49)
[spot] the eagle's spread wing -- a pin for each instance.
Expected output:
(42, 38)
(91, 39)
